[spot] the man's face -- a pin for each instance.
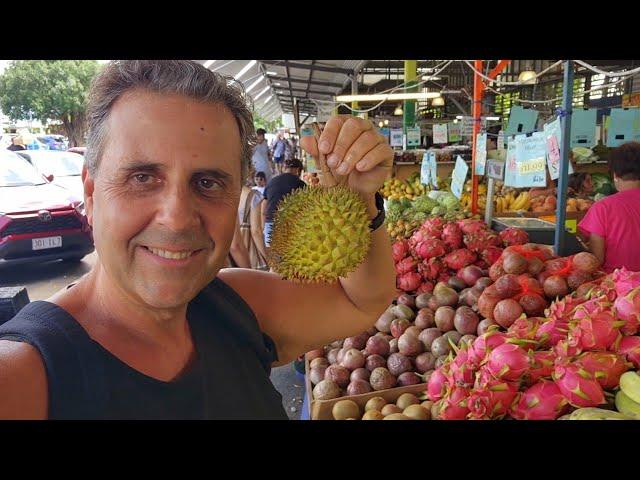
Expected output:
(260, 138)
(260, 182)
(163, 203)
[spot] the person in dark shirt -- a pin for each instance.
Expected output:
(158, 329)
(17, 144)
(276, 189)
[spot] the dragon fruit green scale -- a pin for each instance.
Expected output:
(319, 234)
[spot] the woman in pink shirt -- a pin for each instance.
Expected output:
(612, 225)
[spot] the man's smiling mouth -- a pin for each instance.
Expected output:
(172, 255)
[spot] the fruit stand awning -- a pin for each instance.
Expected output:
(274, 84)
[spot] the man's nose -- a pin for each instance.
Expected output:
(178, 210)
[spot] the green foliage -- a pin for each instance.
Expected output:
(269, 126)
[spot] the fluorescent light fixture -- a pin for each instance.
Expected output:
(386, 121)
(438, 102)
(493, 118)
(398, 110)
(252, 86)
(208, 63)
(261, 93)
(528, 77)
(431, 77)
(272, 73)
(381, 124)
(268, 98)
(277, 84)
(458, 117)
(245, 69)
(390, 96)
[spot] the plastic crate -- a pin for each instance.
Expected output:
(12, 300)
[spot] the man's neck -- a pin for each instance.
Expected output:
(625, 185)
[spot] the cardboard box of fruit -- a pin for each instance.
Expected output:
(323, 409)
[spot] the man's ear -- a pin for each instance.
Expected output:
(88, 183)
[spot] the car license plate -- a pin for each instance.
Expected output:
(46, 242)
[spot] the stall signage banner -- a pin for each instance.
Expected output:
(621, 126)
(427, 169)
(481, 153)
(396, 137)
(454, 132)
(583, 128)
(413, 137)
(467, 125)
(459, 176)
(521, 120)
(511, 168)
(440, 133)
(500, 141)
(530, 157)
(495, 169)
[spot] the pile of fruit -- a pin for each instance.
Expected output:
(438, 250)
(575, 357)
(394, 189)
(407, 407)
(466, 200)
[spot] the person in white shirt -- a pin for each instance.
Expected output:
(261, 158)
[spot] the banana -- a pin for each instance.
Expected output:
(630, 385)
(597, 414)
(626, 406)
(517, 205)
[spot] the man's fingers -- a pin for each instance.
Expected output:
(366, 142)
(381, 155)
(349, 133)
(309, 145)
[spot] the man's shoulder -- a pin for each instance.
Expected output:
(23, 381)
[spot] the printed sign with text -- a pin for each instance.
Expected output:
(440, 133)
(481, 153)
(530, 159)
(459, 176)
(396, 137)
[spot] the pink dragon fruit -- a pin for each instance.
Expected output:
(469, 226)
(525, 328)
(477, 242)
(542, 365)
(625, 281)
(508, 362)
(400, 249)
(551, 332)
(406, 265)
(452, 236)
(492, 401)
(599, 331)
(437, 385)
(628, 309)
(425, 287)
(430, 248)
(445, 276)
(458, 259)
(630, 348)
(456, 404)
(432, 268)
(491, 255)
(433, 227)
(484, 344)
(542, 401)
(514, 236)
(418, 236)
(409, 281)
(578, 386)
(462, 371)
(606, 367)
(568, 348)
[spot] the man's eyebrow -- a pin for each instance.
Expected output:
(144, 166)
(215, 173)
(154, 167)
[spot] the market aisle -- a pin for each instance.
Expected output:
(291, 387)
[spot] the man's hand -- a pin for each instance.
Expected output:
(353, 148)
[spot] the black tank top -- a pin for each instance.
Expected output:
(228, 380)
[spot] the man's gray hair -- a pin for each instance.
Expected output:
(183, 77)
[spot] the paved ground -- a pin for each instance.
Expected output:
(43, 280)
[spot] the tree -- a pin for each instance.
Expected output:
(269, 126)
(47, 90)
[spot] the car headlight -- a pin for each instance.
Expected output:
(79, 207)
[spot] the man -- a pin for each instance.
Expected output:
(156, 330)
(279, 149)
(261, 158)
(275, 191)
(17, 144)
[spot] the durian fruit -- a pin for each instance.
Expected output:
(319, 234)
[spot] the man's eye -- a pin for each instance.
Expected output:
(207, 184)
(142, 178)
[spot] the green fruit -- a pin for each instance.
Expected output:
(626, 406)
(589, 413)
(319, 234)
(630, 385)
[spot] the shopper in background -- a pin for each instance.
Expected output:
(580, 185)
(251, 224)
(17, 144)
(612, 225)
(277, 188)
(260, 180)
(261, 158)
(156, 329)
(279, 149)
